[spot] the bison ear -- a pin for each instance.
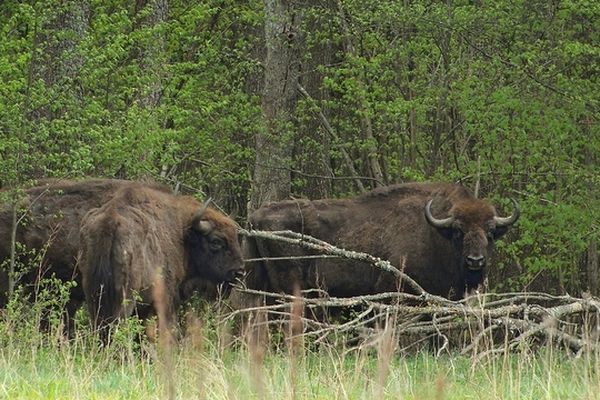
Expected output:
(500, 231)
(202, 226)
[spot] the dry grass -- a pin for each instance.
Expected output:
(207, 364)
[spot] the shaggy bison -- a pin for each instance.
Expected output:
(49, 216)
(139, 247)
(438, 232)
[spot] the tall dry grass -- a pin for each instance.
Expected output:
(210, 362)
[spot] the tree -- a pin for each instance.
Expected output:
(274, 145)
(350, 93)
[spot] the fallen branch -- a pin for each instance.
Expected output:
(520, 322)
(312, 243)
(486, 324)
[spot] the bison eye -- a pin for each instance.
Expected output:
(216, 244)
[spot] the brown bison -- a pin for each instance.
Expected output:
(438, 232)
(49, 216)
(139, 247)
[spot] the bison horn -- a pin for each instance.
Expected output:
(438, 223)
(505, 221)
(204, 207)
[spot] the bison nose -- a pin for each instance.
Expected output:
(240, 273)
(234, 274)
(475, 262)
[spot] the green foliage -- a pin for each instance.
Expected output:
(448, 90)
(93, 119)
(447, 86)
(35, 316)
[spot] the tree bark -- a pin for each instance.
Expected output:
(59, 63)
(152, 56)
(152, 60)
(274, 146)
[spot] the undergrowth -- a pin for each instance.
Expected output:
(209, 361)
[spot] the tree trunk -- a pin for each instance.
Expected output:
(56, 63)
(152, 59)
(272, 177)
(152, 55)
(60, 62)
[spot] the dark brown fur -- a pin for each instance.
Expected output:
(389, 223)
(53, 211)
(142, 238)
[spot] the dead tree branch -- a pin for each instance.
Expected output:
(334, 136)
(312, 243)
(486, 324)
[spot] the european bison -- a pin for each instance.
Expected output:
(138, 248)
(49, 216)
(440, 233)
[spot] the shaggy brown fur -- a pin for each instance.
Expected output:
(389, 223)
(142, 238)
(52, 211)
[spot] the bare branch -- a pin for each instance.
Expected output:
(496, 322)
(319, 245)
(334, 135)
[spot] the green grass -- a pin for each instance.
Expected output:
(54, 369)
(204, 365)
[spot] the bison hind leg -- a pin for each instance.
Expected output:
(104, 316)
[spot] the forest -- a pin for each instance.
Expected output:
(250, 101)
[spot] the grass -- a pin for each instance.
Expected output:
(204, 365)
(45, 366)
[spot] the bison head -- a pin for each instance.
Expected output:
(472, 226)
(213, 246)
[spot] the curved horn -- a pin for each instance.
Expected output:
(204, 207)
(505, 221)
(438, 223)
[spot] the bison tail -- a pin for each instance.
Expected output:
(104, 296)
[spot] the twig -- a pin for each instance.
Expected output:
(421, 316)
(316, 256)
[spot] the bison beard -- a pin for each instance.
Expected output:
(143, 238)
(446, 256)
